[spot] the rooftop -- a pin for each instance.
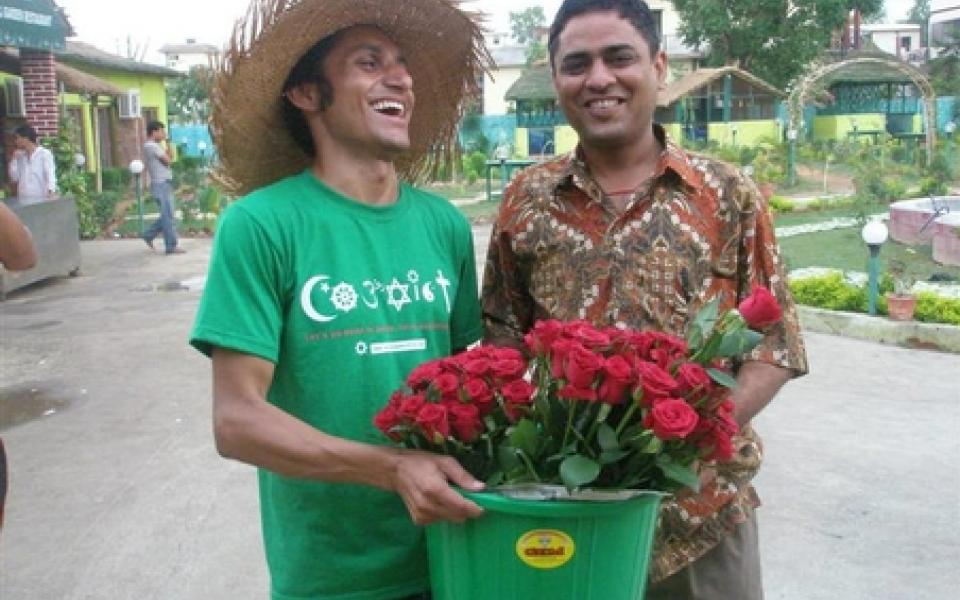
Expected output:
(79, 54)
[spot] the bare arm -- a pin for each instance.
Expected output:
(16, 244)
(249, 429)
(758, 383)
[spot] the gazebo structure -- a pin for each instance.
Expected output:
(726, 105)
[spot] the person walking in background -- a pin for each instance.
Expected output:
(631, 229)
(17, 253)
(157, 158)
(32, 170)
(331, 279)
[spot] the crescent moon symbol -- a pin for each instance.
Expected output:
(307, 303)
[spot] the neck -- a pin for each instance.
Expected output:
(368, 180)
(618, 168)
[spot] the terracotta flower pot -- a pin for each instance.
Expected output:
(900, 307)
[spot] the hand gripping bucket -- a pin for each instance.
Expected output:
(558, 549)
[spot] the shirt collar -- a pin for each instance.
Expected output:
(673, 159)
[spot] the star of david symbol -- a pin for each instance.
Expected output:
(398, 294)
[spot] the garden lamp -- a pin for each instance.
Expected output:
(792, 156)
(202, 147)
(874, 235)
(79, 160)
(136, 168)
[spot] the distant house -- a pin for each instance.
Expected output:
(104, 99)
(944, 24)
(111, 125)
(185, 56)
(903, 40)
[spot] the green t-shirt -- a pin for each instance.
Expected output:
(345, 299)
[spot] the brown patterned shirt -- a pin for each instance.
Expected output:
(698, 230)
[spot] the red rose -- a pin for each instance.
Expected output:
(508, 368)
(581, 367)
(421, 376)
(543, 335)
(587, 334)
(671, 419)
(518, 391)
(558, 355)
(479, 393)
(618, 375)
(466, 422)
(760, 309)
(655, 382)
(410, 406)
(386, 420)
(477, 366)
(447, 384)
(434, 423)
(693, 378)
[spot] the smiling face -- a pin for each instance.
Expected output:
(607, 80)
(372, 94)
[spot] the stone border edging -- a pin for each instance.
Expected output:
(909, 334)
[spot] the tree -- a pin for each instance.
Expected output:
(188, 98)
(524, 26)
(773, 39)
(920, 13)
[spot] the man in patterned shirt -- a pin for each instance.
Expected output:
(632, 230)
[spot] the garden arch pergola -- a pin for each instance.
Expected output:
(804, 87)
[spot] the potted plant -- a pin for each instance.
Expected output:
(901, 302)
(578, 438)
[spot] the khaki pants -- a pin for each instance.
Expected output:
(731, 571)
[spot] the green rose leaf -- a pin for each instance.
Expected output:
(607, 438)
(578, 470)
(679, 473)
(525, 437)
(723, 378)
(611, 456)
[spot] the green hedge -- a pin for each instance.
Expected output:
(833, 293)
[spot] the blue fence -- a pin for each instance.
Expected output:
(193, 138)
(498, 129)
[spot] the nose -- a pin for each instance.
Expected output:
(398, 77)
(599, 77)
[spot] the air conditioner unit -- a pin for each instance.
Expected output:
(13, 93)
(129, 104)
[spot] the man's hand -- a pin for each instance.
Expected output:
(423, 481)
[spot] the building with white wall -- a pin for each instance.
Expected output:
(944, 23)
(183, 57)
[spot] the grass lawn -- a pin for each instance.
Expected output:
(844, 249)
(805, 217)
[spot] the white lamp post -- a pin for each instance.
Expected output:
(136, 168)
(79, 160)
(874, 235)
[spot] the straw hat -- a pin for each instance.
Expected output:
(443, 46)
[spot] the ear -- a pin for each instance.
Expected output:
(660, 65)
(305, 96)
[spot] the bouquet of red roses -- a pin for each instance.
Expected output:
(606, 407)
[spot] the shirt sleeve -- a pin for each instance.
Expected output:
(242, 304)
(508, 309)
(762, 265)
(465, 327)
(12, 169)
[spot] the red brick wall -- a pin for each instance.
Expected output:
(38, 69)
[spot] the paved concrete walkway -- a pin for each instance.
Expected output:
(117, 492)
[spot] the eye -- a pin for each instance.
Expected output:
(573, 67)
(368, 63)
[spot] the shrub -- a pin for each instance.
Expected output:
(104, 207)
(932, 308)
(779, 204)
(474, 165)
(831, 292)
(116, 179)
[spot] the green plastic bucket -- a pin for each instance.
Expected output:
(557, 549)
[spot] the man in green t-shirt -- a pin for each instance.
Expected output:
(330, 280)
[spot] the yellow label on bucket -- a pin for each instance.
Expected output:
(545, 548)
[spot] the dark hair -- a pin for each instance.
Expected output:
(25, 131)
(154, 126)
(309, 69)
(635, 11)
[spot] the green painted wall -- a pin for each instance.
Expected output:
(748, 133)
(674, 131)
(838, 127)
(153, 94)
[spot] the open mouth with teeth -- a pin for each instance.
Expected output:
(603, 103)
(391, 108)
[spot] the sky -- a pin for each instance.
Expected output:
(143, 26)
